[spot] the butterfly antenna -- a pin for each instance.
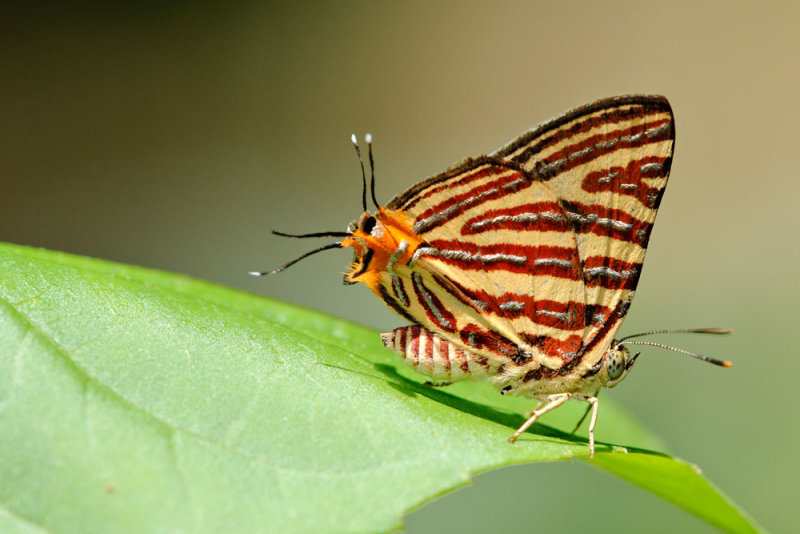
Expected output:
(338, 244)
(368, 139)
(315, 234)
(721, 363)
(363, 173)
(681, 331)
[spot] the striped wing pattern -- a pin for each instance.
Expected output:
(528, 258)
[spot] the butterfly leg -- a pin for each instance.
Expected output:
(593, 404)
(586, 413)
(552, 402)
(530, 413)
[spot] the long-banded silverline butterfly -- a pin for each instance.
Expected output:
(519, 267)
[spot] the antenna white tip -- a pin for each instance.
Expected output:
(255, 273)
(368, 138)
(353, 139)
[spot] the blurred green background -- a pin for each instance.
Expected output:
(176, 136)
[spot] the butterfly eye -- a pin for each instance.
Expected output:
(615, 363)
(367, 224)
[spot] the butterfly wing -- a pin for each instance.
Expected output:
(536, 249)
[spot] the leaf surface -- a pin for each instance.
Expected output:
(139, 400)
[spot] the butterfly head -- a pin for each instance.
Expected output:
(380, 241)
(364, 237)
(616, 364)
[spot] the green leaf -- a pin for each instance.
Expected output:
(138, 400)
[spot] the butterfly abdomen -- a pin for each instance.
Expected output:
(433, 356)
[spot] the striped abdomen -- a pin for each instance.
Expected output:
(433, 356)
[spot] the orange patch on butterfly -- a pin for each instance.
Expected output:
(394, 228)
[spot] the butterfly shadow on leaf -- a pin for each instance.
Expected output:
(512, 421)
(410, 387)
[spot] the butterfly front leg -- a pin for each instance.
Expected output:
(551, 402)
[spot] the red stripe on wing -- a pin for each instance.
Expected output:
(599, 145)
(471, 176)
(565, 349)
(561, 262)
(609, 118)
(610, 222)
(628, 180)
(554, 217)
(485, 340)
(436, 312)
(537, 216)
(454, 206)
(568, 315)
(611, 273)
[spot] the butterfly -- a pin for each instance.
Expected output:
(519, 267)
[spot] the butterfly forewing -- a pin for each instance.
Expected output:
(536, 250)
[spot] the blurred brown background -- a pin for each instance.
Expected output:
(176, 136)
